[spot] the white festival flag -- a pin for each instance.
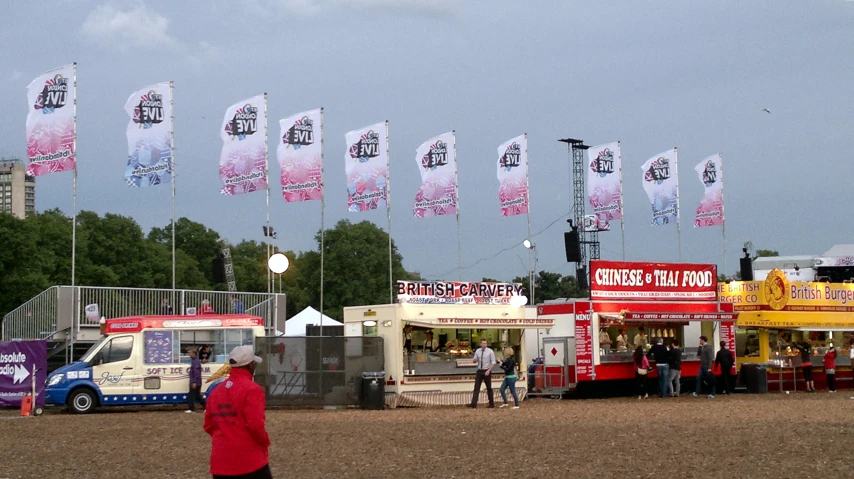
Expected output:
(243, 161)
(604, 182)
(149, 135)
(437, 161)
(52, 122)
(300, 157)
(711, 209)
(661, 185)
(366, 166)
(513, 176)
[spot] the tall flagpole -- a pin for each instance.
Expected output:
(723, 216)
(322, 226)
(74, 192)
(532, 274)
(388, 213)
(267, 176)
(678, 212)
(172, 136)
(622, 217)
(459, 235)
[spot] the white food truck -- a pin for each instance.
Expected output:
(143, 360)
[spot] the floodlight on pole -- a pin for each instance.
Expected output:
(278, 263)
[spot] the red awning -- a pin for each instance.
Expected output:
(680, 317)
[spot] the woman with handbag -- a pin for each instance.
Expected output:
(641, 370)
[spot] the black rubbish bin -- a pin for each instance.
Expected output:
(755, 378)
(373, 390)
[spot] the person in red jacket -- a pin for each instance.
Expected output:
(830, 368)
(234, 418)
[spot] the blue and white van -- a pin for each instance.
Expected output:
(143, 360)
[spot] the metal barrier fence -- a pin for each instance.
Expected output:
(60, 310)
(317, 371)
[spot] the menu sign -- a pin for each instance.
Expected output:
(445, 292)
(158, 347)
(583, 342)
(534, 322)
(634, 281)
(728, 335)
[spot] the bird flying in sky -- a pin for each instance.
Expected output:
(766, 110)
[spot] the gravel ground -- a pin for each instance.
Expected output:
(802, 435)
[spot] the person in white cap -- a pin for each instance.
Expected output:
(235, 417)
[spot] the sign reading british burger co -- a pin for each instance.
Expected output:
(776, 293)
(620, 280)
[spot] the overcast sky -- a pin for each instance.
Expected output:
(651, 74)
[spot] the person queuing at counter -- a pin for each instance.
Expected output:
(641, 370)
(484, 357)
(725, 361)
(675, 368)
(430, 344)
(661, 356)
(830, 368)
(622, 340)
(604, 339)
(806, 364)
(707, 358)
(640, 338)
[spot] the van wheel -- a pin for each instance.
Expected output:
(82, 401)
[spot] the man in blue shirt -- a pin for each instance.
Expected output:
(485, 360)
(195, 373)
(237, 305)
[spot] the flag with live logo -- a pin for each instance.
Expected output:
(243, 161)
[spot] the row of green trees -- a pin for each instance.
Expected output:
(113, 250)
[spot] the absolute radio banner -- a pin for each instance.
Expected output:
(437, 162)
(513, 176)
(604, 185)
(444, 292)
(366, 165)
(149, 135)
(300, 156)
(711, 209)
(50, 122)
(660, 183)
(243, 161)
(620, 280)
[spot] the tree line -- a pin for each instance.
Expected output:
(113, 250)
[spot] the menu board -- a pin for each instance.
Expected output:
(158, 347)
(583, 342)
(728, 335)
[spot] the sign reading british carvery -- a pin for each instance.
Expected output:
(443, 292)
(620, 281)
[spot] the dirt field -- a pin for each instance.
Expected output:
(802, 435)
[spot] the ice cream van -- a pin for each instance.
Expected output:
(143, 360)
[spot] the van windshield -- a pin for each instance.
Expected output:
(86, 357)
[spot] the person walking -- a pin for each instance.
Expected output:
(641, 370)
(675, 368)
(707, 358)
(484, 357)
(725, 361)
(194, 395)
(661, 356)
(235, 419)
(806, 364)
(509, 367)
(830, 368)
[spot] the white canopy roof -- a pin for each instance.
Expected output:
(296, 325)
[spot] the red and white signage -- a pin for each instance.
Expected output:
(681, 316)
(620, 280)
(139, 323)
(728, 335)
(583, 342)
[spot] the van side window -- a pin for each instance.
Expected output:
(118, 349)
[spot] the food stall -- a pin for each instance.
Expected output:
(643, 302)
(774, 313)
(430, 334)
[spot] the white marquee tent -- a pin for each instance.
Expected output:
(296, 325)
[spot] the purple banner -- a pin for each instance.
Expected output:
(16, 371)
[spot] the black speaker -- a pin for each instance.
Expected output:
(573, 248)
(746, 269)
(581, 277)
(219, 269)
